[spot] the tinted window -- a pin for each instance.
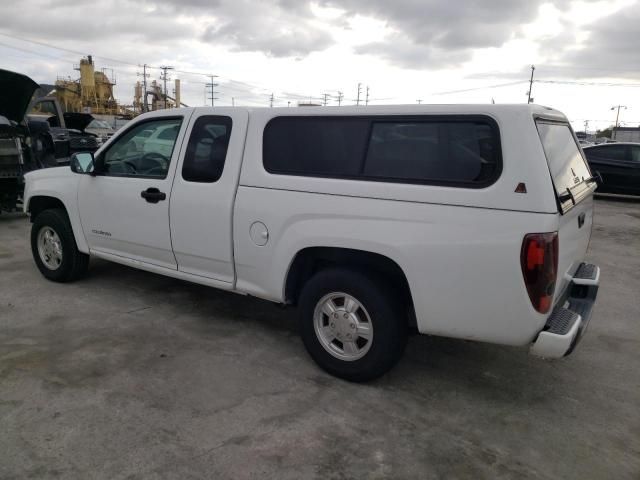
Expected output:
(141, 151)
(169, 133)
(207, 149)
(382, 148)
(331, 147)
(609, 152)
(44, 106)
(432, 151)
(635, 154)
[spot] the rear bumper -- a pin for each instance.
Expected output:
(569, 320)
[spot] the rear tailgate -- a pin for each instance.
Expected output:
(574, 188)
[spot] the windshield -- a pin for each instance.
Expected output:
(99, 124)
(566, 163)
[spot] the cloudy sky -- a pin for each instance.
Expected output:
(465, 51)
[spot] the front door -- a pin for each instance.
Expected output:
(125, 207)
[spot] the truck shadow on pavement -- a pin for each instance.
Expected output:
(498, 372)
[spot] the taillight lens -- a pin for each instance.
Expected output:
(539, 261)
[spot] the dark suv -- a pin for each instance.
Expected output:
(619, 166)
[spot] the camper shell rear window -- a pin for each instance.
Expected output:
(569, 170)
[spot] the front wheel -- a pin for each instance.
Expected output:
(54, 247)
(352, 324)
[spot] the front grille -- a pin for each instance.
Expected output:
(8, 150)
(83, 143)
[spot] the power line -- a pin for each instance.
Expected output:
(499, 85)
(589, 84)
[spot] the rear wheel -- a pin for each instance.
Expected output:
(352, 324)
(54, 247)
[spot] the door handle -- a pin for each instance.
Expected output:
(153, 195)
(581, 219)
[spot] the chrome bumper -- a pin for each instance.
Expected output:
(569, 320)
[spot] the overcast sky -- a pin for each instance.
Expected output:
(404, 50)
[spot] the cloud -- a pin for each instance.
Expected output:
(428, 33)
(400, 50)
(418, 34)
(611, 48)
(278, 29)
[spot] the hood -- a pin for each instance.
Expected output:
(16, 91)
(77, 121)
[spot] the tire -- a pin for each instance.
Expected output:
(72, 263)
(382, 309)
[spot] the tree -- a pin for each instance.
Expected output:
(607, 132)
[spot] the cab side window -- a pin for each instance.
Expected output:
(143, 151)
(207, 149)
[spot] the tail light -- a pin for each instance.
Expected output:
(539, 261)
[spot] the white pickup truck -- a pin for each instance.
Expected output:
(467, 221)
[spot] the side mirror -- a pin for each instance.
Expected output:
(82, 162)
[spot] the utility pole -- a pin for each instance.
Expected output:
(233, 101)
(419, 101)
(340, 97)
(212, 92)
(164, 78)
(359, 92)
(144, 75)
(271, 101)
(366, 102)
(586, 127)
(617, 107)
(288, 103)
(325, 96)
(529, 99)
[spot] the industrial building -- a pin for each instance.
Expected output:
(93, 93)
(626, 134)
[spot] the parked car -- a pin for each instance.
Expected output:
(23, 147)
(67, 128)
(619, 166)
(101, 129)
(466, 221)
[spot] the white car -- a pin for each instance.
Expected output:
(466, 221)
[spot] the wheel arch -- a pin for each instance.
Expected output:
(307, 261)
(39, 203)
